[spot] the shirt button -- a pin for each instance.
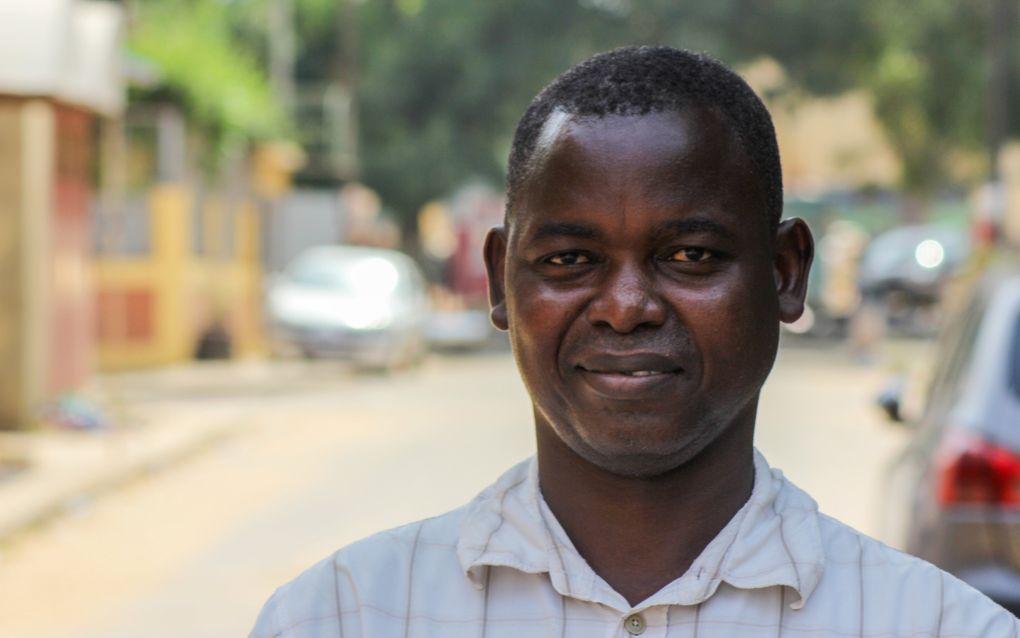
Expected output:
(634, 624)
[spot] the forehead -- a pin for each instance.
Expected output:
(670, 161)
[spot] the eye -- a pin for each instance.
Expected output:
(568, 259)
(691, 255)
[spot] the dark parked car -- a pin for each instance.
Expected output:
(957, 486)
(906, 269)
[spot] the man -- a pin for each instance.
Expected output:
(642, 273)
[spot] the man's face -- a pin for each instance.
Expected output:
(639, 282)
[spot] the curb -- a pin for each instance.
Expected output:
(67, 470)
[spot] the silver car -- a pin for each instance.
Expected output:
(956, 488)
(367, 305)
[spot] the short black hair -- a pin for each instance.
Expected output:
(642, 80)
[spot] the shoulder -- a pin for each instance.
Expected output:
(373, 574)
(900, 593)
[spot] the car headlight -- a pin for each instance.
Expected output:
(367, 316)
(930, 254)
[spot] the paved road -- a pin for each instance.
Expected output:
(324, 457)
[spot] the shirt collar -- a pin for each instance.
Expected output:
(772, 540)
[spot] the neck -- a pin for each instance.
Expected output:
(640, 534)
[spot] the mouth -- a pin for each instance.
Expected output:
(629, 373)
(629, 377)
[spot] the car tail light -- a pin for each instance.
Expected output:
(973, 471)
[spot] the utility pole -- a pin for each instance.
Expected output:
(992, 213)
(1000, 28)
(282, 51)
(346, 74)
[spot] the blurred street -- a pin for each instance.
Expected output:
(317, 456)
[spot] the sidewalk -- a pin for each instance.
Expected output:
(158, 417)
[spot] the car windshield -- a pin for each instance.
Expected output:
(371, 276)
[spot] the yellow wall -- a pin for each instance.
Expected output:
(188, 291)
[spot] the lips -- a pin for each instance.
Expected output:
(629, 376)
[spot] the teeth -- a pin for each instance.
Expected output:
(642, 373)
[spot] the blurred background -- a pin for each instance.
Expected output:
(242, 310)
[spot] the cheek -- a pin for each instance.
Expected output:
(735, 325)
(539, 319)
(540, 313)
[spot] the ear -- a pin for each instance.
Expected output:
(495, 268)
(795, 250)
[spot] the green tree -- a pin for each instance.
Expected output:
(930, 84)
(441, 82)
(925, 63)
(207, 64)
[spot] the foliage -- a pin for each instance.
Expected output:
(929, 82)
(203, 61)
(441, 83)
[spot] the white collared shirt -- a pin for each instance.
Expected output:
(502, 566)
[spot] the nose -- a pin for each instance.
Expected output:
(626, 301)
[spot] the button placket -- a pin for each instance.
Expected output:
(634, 624)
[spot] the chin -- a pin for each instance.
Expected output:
(637, 466)
(642, 458)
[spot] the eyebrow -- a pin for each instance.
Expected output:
(565, 229)
(674, 226)
(694, 225)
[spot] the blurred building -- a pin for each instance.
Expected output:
(177, 268)
(60, 86)
(833, 143)
(452, 235)
(121, 245)
(1009, 171)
